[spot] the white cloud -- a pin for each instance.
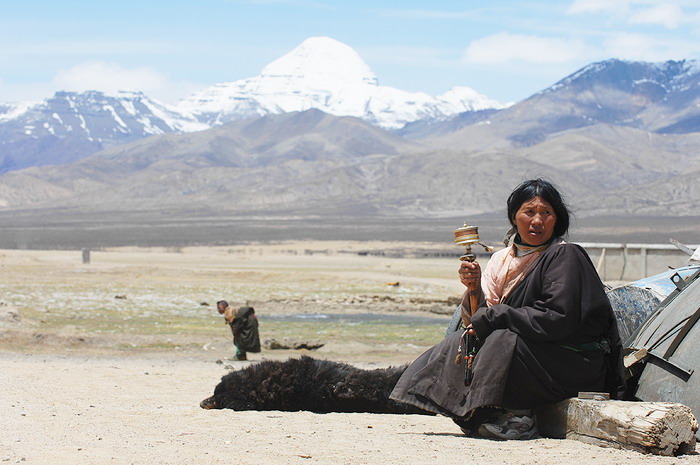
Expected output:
(504, 48)
(101, 76)
(407, 55)
(108, 77)
(597, 6)
(31, 92)
(650, 12)
(424, 14)
(665, 14)
(639, 47)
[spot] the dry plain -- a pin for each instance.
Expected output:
(105, 362)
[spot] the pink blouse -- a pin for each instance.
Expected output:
(504, 271)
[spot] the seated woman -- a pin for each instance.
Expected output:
(544, 329)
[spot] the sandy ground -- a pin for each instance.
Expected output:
(103, 410)
(86, 404)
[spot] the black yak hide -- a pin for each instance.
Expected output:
(309, 384)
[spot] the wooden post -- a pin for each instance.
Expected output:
(86, 256)
(661, 428)
(600, 268)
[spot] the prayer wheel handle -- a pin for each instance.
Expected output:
(466, 236)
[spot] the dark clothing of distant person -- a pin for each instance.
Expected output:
(244, 327)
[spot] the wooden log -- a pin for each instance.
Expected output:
(660, 428)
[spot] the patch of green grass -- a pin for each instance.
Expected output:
(157, 346)
(367, 333)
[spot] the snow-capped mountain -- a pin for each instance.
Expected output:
(635, 76)
(103, 117)
(71, 125)
(328, 75)
(660, 97)
(11, 110)
(321, 73)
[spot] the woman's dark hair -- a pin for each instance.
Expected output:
(544, 189)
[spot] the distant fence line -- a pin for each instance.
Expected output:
(614, 261)
(629, 262)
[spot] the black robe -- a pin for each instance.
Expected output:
(245, 330)
(534, 347)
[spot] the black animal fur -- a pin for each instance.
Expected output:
(309, 384)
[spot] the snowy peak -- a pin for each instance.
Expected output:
(11, 110)
(320, 73)
(468, 99)
(320, 62)
(328, 75)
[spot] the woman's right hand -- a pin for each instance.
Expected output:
(470, 274)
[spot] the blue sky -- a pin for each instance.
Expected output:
(507, 50)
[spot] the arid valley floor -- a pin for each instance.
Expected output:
(106, 362)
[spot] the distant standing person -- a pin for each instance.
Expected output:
(244, 326)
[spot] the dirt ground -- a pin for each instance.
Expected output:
(89, 378)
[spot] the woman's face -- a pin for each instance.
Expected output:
(535, 221)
